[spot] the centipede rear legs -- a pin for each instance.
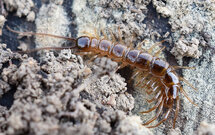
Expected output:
(160, 108)
(164, 118)
(155, 97)
(156, 105)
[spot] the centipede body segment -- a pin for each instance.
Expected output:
(156, 76)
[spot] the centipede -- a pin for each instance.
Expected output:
(159, 79)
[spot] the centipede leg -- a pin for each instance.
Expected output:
(92, 59)
(138, 47)
(185, 94)
(149, 91)
(150, 84)
(164, 119)
(88, 33)
(134, 75)
(176, 111)
(120, 35)
(156, 106)
(104, 34)
(112, 35)
(184, 80)
(182, 67)
(147, 84)
(121, 66)
(96, 33)
(159, 51)
(130, 43)
(144, 77)
(154, 98)
(82, 53)
(152, 47)
(157, 114)
(153, 84)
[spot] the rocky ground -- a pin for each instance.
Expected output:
(59, 92)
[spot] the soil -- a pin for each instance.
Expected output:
(61, 92)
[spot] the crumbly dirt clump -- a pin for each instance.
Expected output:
(206, 129)
(192, 25)
(22, 8)
(54, 97)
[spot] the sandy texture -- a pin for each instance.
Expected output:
(51, 19)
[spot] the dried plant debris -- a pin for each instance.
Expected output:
(50, 98)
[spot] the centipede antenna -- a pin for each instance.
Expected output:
(44, 48)
(184, 80)
(41, 34)
(185, 94)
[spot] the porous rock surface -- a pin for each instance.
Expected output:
(64, 94)
(54, 97)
